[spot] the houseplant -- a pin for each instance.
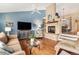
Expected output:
(31, 38)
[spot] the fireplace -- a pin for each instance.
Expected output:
(51, 29)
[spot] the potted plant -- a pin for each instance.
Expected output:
(32, 39)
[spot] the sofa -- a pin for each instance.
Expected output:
(68, 42)
(11, 42)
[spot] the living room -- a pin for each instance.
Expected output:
(39, 29)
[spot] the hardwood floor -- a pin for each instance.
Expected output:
(25, 45)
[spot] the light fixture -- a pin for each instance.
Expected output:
(63, 18)
(63, 13)
(35, 10)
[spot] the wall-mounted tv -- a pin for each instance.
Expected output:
(24, 25)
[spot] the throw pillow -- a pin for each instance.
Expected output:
(3, 52)
(12, 36)
(6, 48)
(3, 37)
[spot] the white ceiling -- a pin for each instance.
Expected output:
(13, 7)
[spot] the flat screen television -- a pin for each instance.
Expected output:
(24, 26)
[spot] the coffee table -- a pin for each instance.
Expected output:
(25, 45)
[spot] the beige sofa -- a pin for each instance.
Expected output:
(13, 43)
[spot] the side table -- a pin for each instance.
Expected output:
(25, 45)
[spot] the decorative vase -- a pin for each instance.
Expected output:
(31, 41)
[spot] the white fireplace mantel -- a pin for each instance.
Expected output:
(57, 27)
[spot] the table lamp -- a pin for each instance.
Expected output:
(7, 29)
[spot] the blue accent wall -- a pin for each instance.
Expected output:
(25, 16)
(1, 23)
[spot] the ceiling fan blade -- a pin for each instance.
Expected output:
(38, 12)
(32, 12)
(35, 9)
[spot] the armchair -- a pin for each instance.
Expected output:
(68, 42)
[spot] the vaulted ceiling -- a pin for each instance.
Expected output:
(14, 7)
(69, 8)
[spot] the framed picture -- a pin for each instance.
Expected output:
(9, 24)
(66, 25)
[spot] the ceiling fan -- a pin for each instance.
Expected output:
(35, 10)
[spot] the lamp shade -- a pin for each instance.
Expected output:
(7, 28)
